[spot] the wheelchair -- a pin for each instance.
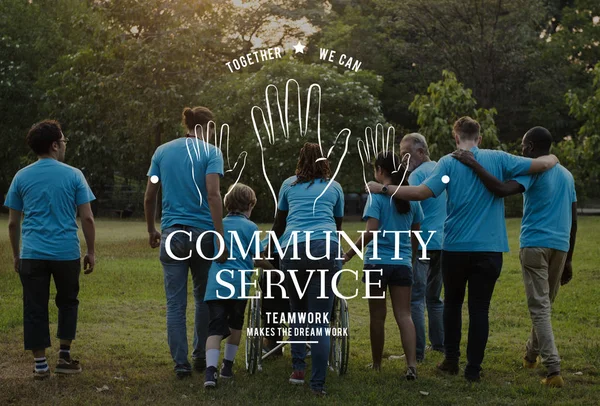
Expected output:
(339, 350)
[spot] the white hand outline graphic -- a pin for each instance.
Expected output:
(369, 149)
(285, 125)
(218, 143)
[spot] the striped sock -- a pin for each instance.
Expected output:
(41, 365)
(65, 352)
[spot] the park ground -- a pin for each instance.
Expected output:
(122, 343)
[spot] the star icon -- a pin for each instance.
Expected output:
(299, 48)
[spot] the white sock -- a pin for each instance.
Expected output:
(230, 351)
(212, 358)
(41, 365)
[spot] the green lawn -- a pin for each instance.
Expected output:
(122, 340)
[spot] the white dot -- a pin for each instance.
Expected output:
(445, 178)
(154, 179)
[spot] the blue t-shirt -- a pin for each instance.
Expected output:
(475, 216)
(382, 208)
(434, 208)
(547, 209)
(48, 192)
(304, 215)
(182, 166)
(245, 230)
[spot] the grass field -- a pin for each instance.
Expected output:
(122, 340)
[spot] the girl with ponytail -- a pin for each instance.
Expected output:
(389, 269)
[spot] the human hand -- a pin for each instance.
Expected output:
(374, 187)
(89, 261)
(271, 138)
(154, 239)
(567, 274)
(223, 257)
(465, 157)
(346, 258)
(17, 264)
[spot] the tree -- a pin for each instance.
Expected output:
(349, 100)
(445, 102)
(580, 153)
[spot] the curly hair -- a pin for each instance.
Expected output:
(311, 164)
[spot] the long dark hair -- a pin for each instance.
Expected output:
(385, 161)
(309, 166)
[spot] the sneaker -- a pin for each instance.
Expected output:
(319, 393)
(448, 367)
(297, 377)
(226, 369)
(554, 381)
(210, 377)
(183, 371)
(199, 364)
(70, 366)
(475, 377)
(527, 364)
(41, 375)
(473, 373)
(411, 374)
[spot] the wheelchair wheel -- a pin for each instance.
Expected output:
(340, 344)
(254, 341)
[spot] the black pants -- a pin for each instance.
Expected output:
(479, 270)
(35, 277)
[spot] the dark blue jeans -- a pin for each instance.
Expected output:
(427, 292)
(176, 278)
(479, 270)
(310, 303)
(35, 277)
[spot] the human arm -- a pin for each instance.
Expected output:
(89, 232)
(280, 222)
(14, 234)
(567, 274)
(542, 163)
(215, 205)
(150, 213)
(493, 184)
(371, 227)
(413, 193)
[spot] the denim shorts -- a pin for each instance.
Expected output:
(225, 315)
(393, 275)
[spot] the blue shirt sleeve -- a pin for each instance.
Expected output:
(154, 169)
(338, 209)
(417, 212)
(573, 191)
(83, 193)
(415, 178)
(13, 197)
(215, 161)
(434, 181)
(283, 202)
(525, 180)
(513, 165)
(372, 208)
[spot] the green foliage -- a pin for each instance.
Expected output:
(445, 102)
(580, 153)
(349, 100)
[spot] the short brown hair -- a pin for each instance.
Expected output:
(41, 136)
(239, 198)
(196, 116)
(466, 128)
